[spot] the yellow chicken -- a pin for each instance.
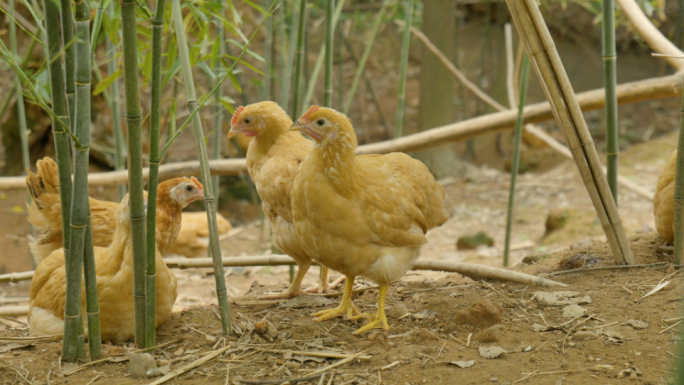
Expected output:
(663, 200)
(364, 215)
(114, 269)
(273, 158)
(193, 238)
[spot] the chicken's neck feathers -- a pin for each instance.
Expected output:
(337, 160)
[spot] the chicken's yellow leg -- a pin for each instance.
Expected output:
(380, 321)
(323, 285)
(346, 308)
(295, 287)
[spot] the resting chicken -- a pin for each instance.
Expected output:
(114, 268)
(273, 158)
(45, 211)
(193, 238)
(663, 200)
(365, 215)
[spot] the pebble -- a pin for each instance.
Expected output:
(494, 379)
(582, 336)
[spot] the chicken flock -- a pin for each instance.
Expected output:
(359, 215)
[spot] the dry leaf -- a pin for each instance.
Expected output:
(462, 364)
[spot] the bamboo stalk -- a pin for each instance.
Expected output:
(679, 226)
(549, 68)
(218, 117)
(92, 304)
(299, 58)
(405, 46)
(364, 57)
(67, 19)
(329, 48)
(193, 106)
(265, 91)
(288, 59)
(21, 112)
(150, 231)
(114, 107)
(340, 66)
(135, 180)
(525, 70)
(319, 62)
(609, 83)
(59, 105)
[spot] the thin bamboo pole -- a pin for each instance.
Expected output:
(299, 58)
(265, 91)
(364, 57)
(67, 19)
(549, 69)
(329, 48)
(524, 70)
(114, 107)
(135, 179)
(679, 194)
(193, 106)
(218, 117)
(286, 83)
(405, 46)
(59, 105)
(150, 231)
(21, 111)
(609, 82)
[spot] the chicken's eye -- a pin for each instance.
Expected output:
(320, 122)
(248, 120)
(189, 188)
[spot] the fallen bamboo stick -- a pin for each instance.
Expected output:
(13, 311)
(633, 92)
(541, 49)
(467, 269)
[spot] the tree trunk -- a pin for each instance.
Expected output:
(437, 86)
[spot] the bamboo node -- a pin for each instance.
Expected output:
(72, 316)
(92, 312)
(133, 118)
(73, 226)
(613, 153)
(610, 57)
(139, 218)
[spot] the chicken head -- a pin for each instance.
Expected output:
(187, 192)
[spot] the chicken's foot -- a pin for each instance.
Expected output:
(380, 320)
(323, 285)
(295, 287)
(346, 308)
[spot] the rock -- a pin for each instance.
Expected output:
(557, 219)
(583, 336)
(560, 298)
(462, 364)
(582, 243)
(423, 314)
(602, 368)
(637, 324)
(494, 379)
(142, 365)
(572, 311)
(261, 327)
(470, 242)
(491, 352)
(539, 328)
(491, 334)
(397, 311)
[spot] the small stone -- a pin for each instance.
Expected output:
(602, 368)
(583, 336)
(470, 242)
(573, 311)
(531, 259)
(184, 329)
(210, 339)
(637, 324)
(178, 352)
(397, 311)
(423, 314)
(582, 243)
(494, 379)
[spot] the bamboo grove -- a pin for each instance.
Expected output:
(164, 50)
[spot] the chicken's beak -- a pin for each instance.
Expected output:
(233, 131)
(297, 127)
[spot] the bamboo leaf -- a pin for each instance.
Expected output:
(106, 82)
(214, 54)
(255, 6)
(258, 71)
(249, 52)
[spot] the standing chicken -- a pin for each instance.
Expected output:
(663, 200)
(114, 269)
(364, 215)
(273, 158)
(45, 211)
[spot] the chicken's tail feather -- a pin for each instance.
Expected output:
(46, 181)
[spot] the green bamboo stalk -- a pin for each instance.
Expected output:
(299, 59)
(524, 75)
(135, 177)
(405, 46)
(319, 62)
(173, 108)
(67, 18)
(679, 32)
(364, 57)
(340, 67)
(92, 304)
(21, 111)
(286, 84)
(609, 82)
(282, 59)
(679, 226)
(218, 117)
(59, 129)
(13, 90)
(80, 210)
(265, 91)
(329, 48)
(114, 107)
(155, 117)
(193, 106)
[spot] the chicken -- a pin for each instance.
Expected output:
(663, 200)
(365, 215)
(45, 211)
(114, 269)
(273, 158)
(193, 239)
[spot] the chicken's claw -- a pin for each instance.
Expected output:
(380, 322)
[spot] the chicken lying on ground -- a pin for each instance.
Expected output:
(663, 200)
(273, 158)
(364, 215)
(45, 211)
(114, 269)
(193, 238)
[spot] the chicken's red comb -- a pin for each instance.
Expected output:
(234, 121)
(308, 112)
(197, 183)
